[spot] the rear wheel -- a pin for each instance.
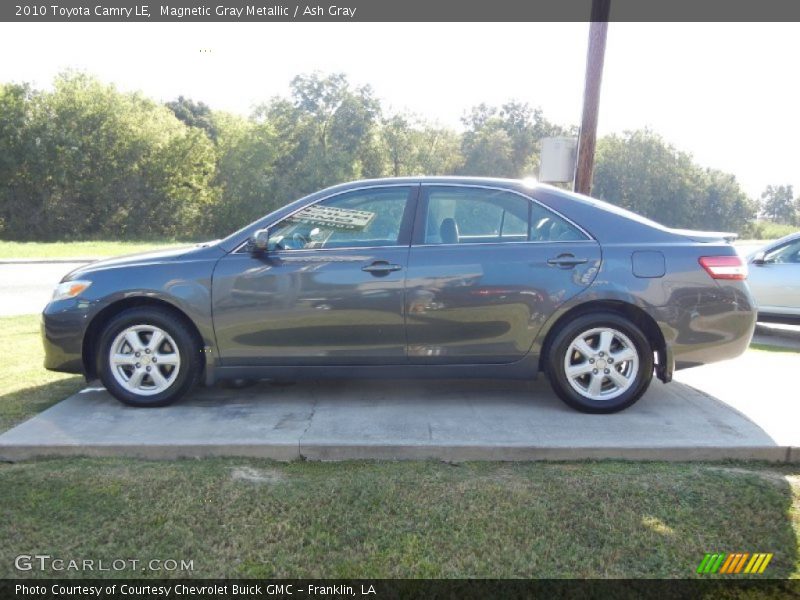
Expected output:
(600, 363)
(147, 357)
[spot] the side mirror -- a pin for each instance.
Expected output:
(260, 240)
(758, 258)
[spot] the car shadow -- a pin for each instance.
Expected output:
(496, 419)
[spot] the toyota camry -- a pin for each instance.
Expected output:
(412, 277)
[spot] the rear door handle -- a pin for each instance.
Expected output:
(381, 266)
(566, 260)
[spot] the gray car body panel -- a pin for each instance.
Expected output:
(448, 312)
(776, 286)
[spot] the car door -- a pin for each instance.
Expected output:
(329, 289)
(775, 279)
(487, 267)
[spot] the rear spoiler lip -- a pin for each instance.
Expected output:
(706, 236)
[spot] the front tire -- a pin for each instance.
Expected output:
(148, 357)
(600, 363)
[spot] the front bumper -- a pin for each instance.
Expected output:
(63, 325)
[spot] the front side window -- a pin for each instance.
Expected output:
(788, 253)
(455, 215)
(358, 219)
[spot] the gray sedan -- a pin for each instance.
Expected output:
(412, 277)
(775, 280)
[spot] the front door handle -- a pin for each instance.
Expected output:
(566, 261)
(380, 267)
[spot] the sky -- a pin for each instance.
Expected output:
(724, 92)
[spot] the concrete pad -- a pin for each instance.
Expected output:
(734, 410)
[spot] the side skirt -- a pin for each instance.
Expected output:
(527, 368)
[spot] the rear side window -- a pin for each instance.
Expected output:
(464, 215)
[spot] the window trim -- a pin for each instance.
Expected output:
(417, 236)
(406, 224)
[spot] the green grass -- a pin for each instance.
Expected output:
(92, 249)
(252, 518)
(770, 348)
(26, 388)
(766, 230)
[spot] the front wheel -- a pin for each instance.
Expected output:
(600, 363)
(147, 357)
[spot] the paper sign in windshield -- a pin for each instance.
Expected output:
(346, 219)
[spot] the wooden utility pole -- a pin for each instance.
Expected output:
(584, 168)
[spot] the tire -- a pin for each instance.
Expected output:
(595, 383)
(151, 383)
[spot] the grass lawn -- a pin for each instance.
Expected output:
(12, 250)
(26, 388)
(251, 518)
(770, 348)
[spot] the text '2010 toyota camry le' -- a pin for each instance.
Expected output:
(412, 277)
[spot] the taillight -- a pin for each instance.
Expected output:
(724, 267)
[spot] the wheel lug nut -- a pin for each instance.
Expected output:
(606, 371)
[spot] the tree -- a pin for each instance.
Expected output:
(86, 160)
(15, 145)
(247, 158)
(504, 141)
(328, 132)
(194, 114)
(413, 147)
(640, 171)
(96, 162)
(777, 204)
(797, 211)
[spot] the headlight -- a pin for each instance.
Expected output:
(70, 289)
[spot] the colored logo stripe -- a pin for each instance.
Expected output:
(711, 563)
(758, 563)
(721, 562)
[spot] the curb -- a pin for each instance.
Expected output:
(314, 451)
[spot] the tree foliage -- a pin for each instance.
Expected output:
(504, 141)
(90, 160)
(640, 171)
(85, 160)
(778, 204)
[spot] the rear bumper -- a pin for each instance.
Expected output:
(718, 329)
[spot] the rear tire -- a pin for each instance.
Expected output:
(147, 357)
(600, 363)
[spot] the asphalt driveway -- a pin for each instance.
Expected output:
(26, 286)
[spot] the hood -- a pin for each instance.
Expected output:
(706, 236)
(143, 258)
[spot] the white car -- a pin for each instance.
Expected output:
(774, 280)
